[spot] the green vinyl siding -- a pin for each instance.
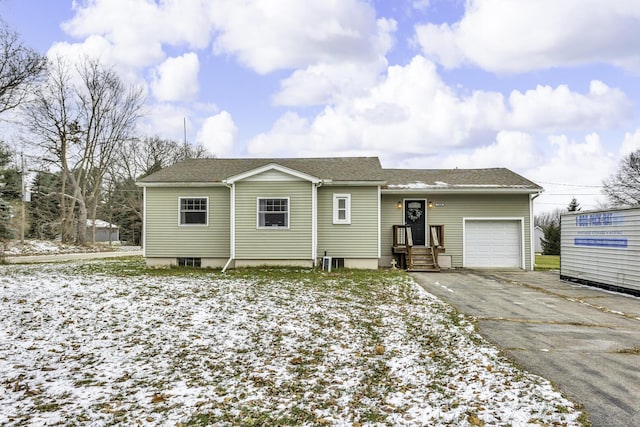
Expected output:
(291, 243)
(457, 207)
(359, 239)
(165, 238)
(390, 215)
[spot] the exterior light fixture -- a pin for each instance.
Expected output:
(399, 205)
(430, 204)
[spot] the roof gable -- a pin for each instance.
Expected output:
(272, 167)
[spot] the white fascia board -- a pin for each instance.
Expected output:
(482, 190)
(329, 182)
(272, 166)
(180, 184)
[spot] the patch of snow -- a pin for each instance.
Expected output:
(47, 247)
(101, 224)
(80, 345)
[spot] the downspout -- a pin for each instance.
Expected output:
(143, 239)
(532, 242)
(314, 222)
(232, 224)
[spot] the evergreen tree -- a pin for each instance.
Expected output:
(551, 239)
(574, 206)
(10, 191)
(45, 206)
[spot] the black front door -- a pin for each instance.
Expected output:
(415, 215)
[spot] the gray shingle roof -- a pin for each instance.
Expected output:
(455, 178)
(217, 170)
(361, 169)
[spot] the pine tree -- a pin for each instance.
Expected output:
(574, 206)
(551, 239)
(45, 206)
(9, 191)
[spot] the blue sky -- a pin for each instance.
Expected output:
(549, 89)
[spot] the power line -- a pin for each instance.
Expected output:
(568, 185)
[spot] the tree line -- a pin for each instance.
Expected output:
(81, 119)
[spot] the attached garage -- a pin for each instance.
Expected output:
(493, 243)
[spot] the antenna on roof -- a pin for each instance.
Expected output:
(186, 146)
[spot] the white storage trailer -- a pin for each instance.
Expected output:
(602, 248)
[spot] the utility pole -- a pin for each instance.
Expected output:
(24, 199)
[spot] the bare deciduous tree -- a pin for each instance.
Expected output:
(81, 117)
(140, 158)
(20, 68)
(623, 188)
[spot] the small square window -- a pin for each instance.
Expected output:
(342, 208)
(273, 213)
(193, 210)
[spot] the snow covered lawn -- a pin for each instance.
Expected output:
(108, 342)
(48, 247)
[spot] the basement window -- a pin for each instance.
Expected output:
(190, 262)
(337, 263)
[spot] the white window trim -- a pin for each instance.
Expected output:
(336, 218)
(258, 226)
(180, 224)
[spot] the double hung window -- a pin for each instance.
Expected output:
(193, 210)
(342, 208)
(273, 213)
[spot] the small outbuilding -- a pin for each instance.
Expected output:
(538, 235)
(105, 231)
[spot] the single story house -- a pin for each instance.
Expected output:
(250, 212)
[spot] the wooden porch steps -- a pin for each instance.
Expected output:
(413, 258)
(421, 259)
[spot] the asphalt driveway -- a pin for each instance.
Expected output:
(585, 340)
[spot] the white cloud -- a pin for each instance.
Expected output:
(269, 35)
(517, 36)
(421, 4)
(337, 49)
(412, 113)
(516, 150)
(218, 134)
(572, 169)
(630, 143)
(326, 84)
(164, 120)
(547, 108)
(176, 79)
(137, 29)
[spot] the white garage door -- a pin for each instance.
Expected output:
(493, 243)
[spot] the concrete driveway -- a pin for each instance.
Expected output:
(585, 340)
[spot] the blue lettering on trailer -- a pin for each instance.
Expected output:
(603, 243)
(599, 219)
